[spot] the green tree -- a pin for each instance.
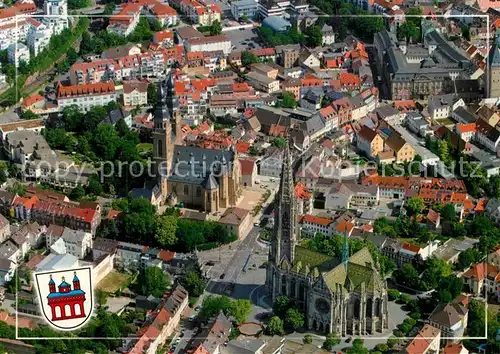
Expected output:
(281, 305)
(102, 297)
(72, 118)
(314, 37)
(29, 115)
(331, 341)
(152, 94)
(212, 305)
(105, 142)
(154, 282)
(166, 230)
(279, 142)
(94, 186)
(17, 189)
(288, 100)
(409, 31)
(415, 206)
(468, 257)
(308, 339)
(77, 193)
(294, 318)
(393, 294)
(382, 347)
(244, 18)
(193, 282)
(358, 347)
(248, 58)
(443, 151)
(275, 327)
(77, 4)
(445, 296)
(448, 213)
(215, 28)
(240, 309)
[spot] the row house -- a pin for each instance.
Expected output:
(85, 96)
(487, 135)
(330, 117)
(124, 21)
(466, 131)
(265, 54)
(160, 325)
(85, 216)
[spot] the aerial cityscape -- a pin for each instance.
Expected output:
(250, 176)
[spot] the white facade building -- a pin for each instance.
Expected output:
(57, 19)
(18, 52)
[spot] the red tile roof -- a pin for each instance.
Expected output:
(100, 88)
(482, 270)
(22, 322)
(31, 100)
(242, 147)
(311, 219)
(247, 166)
(348, 79)
(453, 348)
(301, 191)
(166, 256)
(465, 128)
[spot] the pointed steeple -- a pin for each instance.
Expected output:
(285, 225)
(345, 249)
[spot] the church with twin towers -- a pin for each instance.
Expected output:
(346, 296)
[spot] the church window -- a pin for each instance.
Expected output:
(174, 189)
(186, 189)
(198, 191)
(369, 305)
(67, 310)
(160, 148)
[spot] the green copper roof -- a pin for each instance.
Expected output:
(360, 269)
(305, 258)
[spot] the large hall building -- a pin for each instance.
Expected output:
(346, 296)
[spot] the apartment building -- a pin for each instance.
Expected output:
(93, 72)
(17, 53)
(38, 37)
(200, 13)
(124, 21)
(262, 82)
(135, 93)
(85, 96)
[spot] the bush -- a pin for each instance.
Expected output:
(415, 315)
(411, 321)
(399, 334)
(393, 294)
(382, 347)
(405, 298)
(207, 246)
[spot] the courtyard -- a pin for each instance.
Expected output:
(113, 282)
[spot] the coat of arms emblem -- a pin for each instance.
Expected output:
(66, 297)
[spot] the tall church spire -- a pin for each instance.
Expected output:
(285, 225)
(345, 249)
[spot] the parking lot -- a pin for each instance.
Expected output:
(244, 39)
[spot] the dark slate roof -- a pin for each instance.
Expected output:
(115, 115)
(193, 164)
(465, 114)
(386, 111)
(445, 47)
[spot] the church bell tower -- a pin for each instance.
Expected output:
(285, 218)
(163, 139)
